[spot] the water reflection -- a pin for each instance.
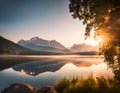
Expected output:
(36, 67)
(51, 65)
(10, 61)
(47, 71)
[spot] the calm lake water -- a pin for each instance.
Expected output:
(45, 70)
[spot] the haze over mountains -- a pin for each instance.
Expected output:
(83, 48)
(38, 46)
(9, 47)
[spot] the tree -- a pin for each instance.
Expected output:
(104, 17)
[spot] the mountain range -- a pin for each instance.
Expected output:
(38, 46)
(9, 47)
(83, 48)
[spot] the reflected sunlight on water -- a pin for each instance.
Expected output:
(70, 70)
(47, 71)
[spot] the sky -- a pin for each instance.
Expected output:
(46, 19)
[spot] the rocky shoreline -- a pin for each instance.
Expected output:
(27, 88)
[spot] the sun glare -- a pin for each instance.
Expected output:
(91, 41)
(94, 42)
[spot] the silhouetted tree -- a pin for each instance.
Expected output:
(104, 17)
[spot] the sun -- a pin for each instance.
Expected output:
(94, 42)
(91, 41)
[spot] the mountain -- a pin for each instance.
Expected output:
(9, 47)
(83, 48)
(39, 44)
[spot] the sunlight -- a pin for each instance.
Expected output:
(91, 41)
(22, 71)
(94, 42)
(98, 40)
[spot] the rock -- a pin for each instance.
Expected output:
(19, 88)
(26, 88)
(47, 89)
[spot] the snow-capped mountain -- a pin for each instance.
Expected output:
(39, 44)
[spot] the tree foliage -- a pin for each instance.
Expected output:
(104, 17)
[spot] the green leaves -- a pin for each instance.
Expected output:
(104, 17)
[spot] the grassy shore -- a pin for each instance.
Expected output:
(88, 85)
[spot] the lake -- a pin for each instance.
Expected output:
(45, 70)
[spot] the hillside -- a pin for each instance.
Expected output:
(9, 47)
(39, 44)
(83, 48)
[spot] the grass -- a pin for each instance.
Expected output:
(88, 85)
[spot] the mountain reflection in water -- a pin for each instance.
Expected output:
(51, 65)
(48, 70)
(36, 67)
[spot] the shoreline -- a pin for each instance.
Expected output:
(74, 85)
(39, 56)
(27, 88)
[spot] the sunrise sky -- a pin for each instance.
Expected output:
(47, 19)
